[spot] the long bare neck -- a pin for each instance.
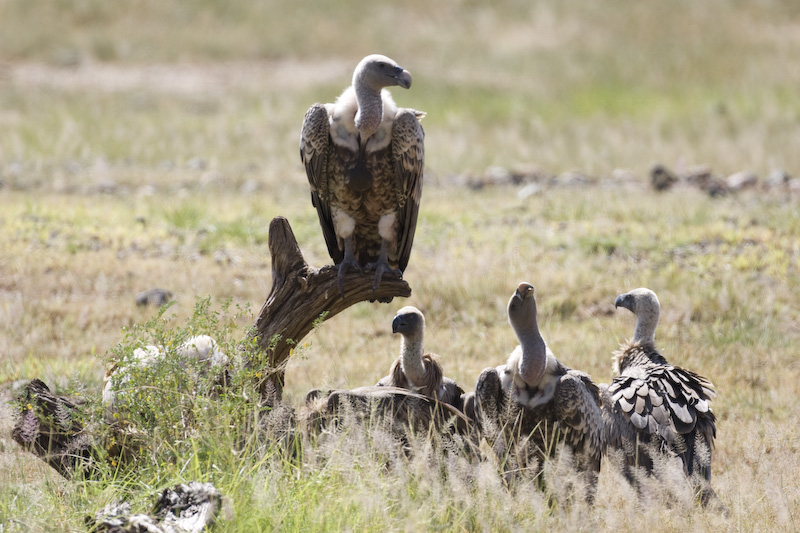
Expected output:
(533, 360)
(645, 329)
(411, 358)
(370, 109)
(646, 322)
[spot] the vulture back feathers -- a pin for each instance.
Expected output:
(364, 159)
(652, 406)
(402, 412)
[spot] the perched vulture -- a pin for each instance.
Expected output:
(654, 407)
(415, 369)
(364, 156)
(533, 400)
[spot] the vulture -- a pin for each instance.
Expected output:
(364, 156)
(524, 406)
(401, 411)
(415, 369)
(652, 406)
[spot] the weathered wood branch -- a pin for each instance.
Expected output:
(50, 427)
(301, 297)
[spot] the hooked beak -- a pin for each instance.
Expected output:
(403, 77)
(623, 301)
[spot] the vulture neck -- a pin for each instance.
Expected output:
(370, 109)
(646, 322)
(411, 358)
(533, 361)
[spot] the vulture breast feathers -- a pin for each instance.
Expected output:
(364, 159)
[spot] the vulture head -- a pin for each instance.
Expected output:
(408, 322)
(644, 304)
(376, 72)
(523, 319)
(522, 307)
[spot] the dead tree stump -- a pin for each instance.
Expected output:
(301, 298)
(50, 427)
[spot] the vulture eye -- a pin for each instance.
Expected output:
(382, 64)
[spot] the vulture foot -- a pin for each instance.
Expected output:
(344, 266)
(381, 267)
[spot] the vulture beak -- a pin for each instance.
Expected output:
(396, 323)
(403, 77)
(517, 297)
(523, 290)
(624, 300)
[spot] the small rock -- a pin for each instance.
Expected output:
(529, 190)
(698, 176)
(157, 297)
(741, 180)
(716, 188)
(497, 176)
(778, 178)
(572, 178)
(661, 178)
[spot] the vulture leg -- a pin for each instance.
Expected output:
(348, 261)
(381, 266)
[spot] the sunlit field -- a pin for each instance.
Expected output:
(149, 144)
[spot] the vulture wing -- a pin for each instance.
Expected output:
(666, 401)
(315, 145)
(577, 406)
(408, 158)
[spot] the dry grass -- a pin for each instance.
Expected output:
(150, 144)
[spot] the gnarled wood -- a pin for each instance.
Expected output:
(301, 297)
(50, 427)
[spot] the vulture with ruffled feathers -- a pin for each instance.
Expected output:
(652, 406)
(364, 158)
(524, 406)
(415, 369)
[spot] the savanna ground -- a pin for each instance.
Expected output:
(150, 144)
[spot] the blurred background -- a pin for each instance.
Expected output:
(149, 143)
(516, 84)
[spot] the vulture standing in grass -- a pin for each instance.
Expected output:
(415, 369)
(401, 411)
(534, 400)
(654, 407)
(364, 157)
